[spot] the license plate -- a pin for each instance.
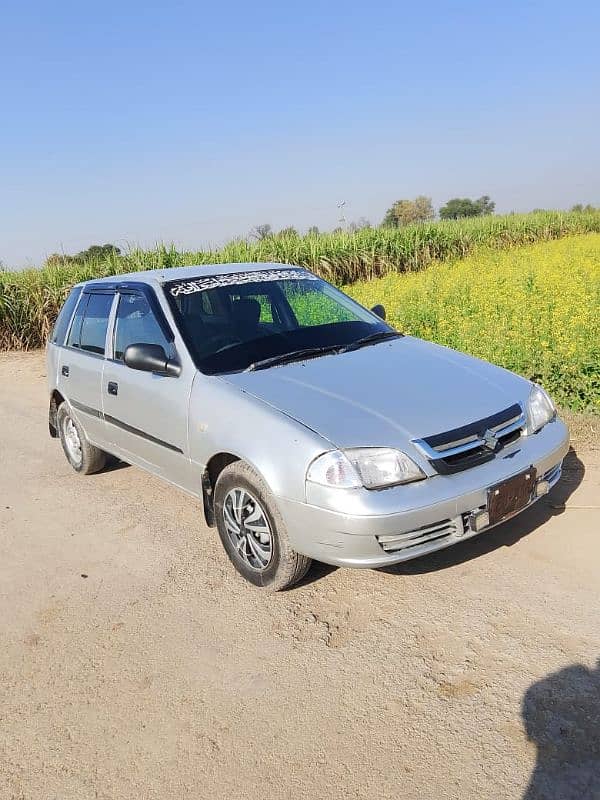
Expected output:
(509, 497)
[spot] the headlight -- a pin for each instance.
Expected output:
(540, 409)
(371, 467)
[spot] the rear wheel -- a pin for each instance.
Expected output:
(252, 530)
(84, 457)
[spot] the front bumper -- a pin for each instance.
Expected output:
(361, 528)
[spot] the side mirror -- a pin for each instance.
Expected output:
(379, 310)
(150, 358)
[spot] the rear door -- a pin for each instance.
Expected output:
(147, 414)
(81, 362)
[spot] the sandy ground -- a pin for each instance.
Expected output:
(134, 663)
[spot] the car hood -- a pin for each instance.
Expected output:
(385, 394)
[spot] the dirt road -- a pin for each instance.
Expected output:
(135, 664)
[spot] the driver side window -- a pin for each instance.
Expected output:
(136, 324)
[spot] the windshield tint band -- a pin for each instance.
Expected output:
(175, 288)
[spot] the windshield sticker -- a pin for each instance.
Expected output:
(236, 278)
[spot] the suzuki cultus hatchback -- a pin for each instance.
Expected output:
(307, 426)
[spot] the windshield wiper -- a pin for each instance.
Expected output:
(294, 355)
(372, 338)
(312, 352)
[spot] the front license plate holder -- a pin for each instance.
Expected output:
(511, 496)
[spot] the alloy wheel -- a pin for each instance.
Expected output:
(248, 528)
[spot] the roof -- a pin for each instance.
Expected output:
(181, 273)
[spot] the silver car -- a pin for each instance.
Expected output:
(309, 428)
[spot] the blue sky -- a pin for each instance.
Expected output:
(190, 122)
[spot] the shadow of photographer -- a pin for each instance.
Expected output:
(561, 714)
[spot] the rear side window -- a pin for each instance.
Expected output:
(73, 340)
(88, 331)
(136, 324)
(63, 320)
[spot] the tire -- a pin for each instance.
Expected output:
(90, 459)
(240, 488)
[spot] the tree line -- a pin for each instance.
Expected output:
(96, 252)
(408, 212)
(402, 212)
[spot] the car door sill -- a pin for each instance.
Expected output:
(146, 466)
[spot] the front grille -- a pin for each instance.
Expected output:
(473, 444)
(427, 533)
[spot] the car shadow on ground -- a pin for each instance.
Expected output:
(113, 464)
(317, 571)
(505, 535)
(561, 716)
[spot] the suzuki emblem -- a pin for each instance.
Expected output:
(490, 440)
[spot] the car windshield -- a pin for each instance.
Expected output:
(253, 320)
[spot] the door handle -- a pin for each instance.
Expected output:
(65, 371)
(113, 388)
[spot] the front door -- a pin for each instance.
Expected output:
(146, 414)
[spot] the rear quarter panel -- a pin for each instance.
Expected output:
(51, 367)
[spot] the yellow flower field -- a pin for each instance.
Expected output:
(533, 309)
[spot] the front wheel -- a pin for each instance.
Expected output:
(252, 530)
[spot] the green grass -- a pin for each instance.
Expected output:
(29, 300)
(533, 309)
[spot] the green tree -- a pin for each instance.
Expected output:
(486, 205)
(313, 231)
(464, 207)
(97, 252)
(407, 212)
(289, 231)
